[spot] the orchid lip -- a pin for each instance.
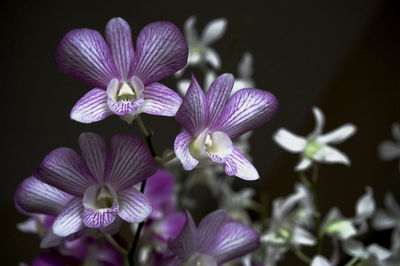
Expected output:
(99, 197)
(126, 91)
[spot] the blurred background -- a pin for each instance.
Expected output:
(342, 56)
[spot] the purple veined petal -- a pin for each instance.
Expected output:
(209, 228)
(244, 168)
(161, 50)
(172, 225)
(187, 241)
(159, 187)
(218, 94)
(128, 162)
(123, 107)
(51, 240)
(94, 152)
(66, 170)
(92, 107)
(193, 113)
(181, 147)
(160, 100)
(99, 218)
(84, 55)
(69, 221)
(119, 38)
(134, 205)
(233, 241)
(214, 30)
(246, 110)
(34, 196)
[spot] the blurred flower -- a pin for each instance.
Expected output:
(125, 80)
(216, 241)
(245, 72)
(211, 122)
(101, 183)
(315, 147)
(336, 225)
(389, 219)
(388, 149)
(320, 261)
(200, 51)
(365, 209)
(286, 230)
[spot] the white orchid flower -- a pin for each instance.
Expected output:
(245, 73)
(320, 261)
(336, 225)
(389, 150)
(365, 209)
(316, 146)
(389, 219)
(200, 51)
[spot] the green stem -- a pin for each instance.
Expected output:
(303, 257)
(352, 262)
(166, 158)
(114, 243)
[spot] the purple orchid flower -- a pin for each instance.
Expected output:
(101, 184)
(212, 121)
(217, 240)
(125, 81)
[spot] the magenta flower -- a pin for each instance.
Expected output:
(212, 121)
(125, 80)
(216, 241)
(101, 184)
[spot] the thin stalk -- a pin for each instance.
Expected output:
(303, 257)
(352, 262)
(316, 207)
(115, 244)
(166, 158)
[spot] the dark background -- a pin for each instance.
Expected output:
(342, 56)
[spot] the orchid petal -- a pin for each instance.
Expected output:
(245, 67)
(181, 147)
(99, 218)
(193, 113)
(320, 261)
(212, 57)
(119, 39)
(389, 150)
(190, 31)
(396, 131)
(160, 100)
(183, 86)
(384, 220)
(246, 110)
(214, 30)
(92, 107)
(329, 154)
(319, 122)
(134, 205)
(161, 50)
(241, 84)
(209, 227)
(160, 186)
(128, 162)
(290, 141)
(391, 204)
(244, 168)
(303, 164)
(69, 221)
(66, 170)
(218, 94)
(94, 152)
(172, 225)
(301, 236)
(365, 206)
(210, 76)
(186, 242)
(338, 135)
(37, 197)
(125, 107)
(51, 240)
(84, 55)
(233, 241)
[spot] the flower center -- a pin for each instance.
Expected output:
(126, 93)
(98, 197)
(217, 143)
(311, 149)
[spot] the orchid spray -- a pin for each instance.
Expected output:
(119, 202)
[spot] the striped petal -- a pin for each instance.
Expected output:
(233, 241)
(134, 206)
(246, 110)
(161, 50)
(244, 168)
(92, 107)
(119, 39)
(99, 218)
(186, 243)
(128, 162)
(66, 170)
(69, 221)
(218, 95)
(94, 152)
(160, 100)
(37, 197)
(193, 113)
(83, 55)
(209, 227)
(181, 147)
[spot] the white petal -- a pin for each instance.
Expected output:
(392, 205)
(329, 154)
(354, 248)
(209, 78)
(396, 131)
(212, 57)
(214, 30)
(389, 150)
(289, 141)
(183, 86)
(380, 252)
(190, 31)
(384, 220)
(319, 122)
(320, 261)
(303, 164)
(241, 84)
(365, 205)
(301, 236)
(338, 135)
(194, 58)
(221, 144)
(245, 67)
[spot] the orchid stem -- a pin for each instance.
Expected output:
(352, 261)
(303, 257)
(147, 135)
(115, 244)
(166, 158)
